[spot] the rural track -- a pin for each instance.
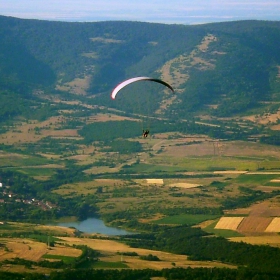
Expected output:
(155, 147)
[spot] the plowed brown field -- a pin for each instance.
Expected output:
(254, 224)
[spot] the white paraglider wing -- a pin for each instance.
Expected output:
(136, 79)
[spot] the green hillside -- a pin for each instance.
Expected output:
(210, 66)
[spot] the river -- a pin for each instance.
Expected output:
(94, 225)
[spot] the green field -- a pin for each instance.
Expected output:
(18, 160)
(150, 168)
(208, 163)
(102, 264)
(171, 164)
(37, 172)
(253, 179)
(66, 259)
(221, 232)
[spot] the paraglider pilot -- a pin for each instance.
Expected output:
(145, 133)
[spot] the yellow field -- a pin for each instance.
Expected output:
(271, 240)
(231, 223)
(184, 185)
(22, 248)
(274, 226)
(32, 250)
(22, 269)
(57, 229)
(230, 172)
(155, 181)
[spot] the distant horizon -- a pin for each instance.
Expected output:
(153, 11)
(212, 20)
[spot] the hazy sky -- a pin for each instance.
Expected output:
(162, 11)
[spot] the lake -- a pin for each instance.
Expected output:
(94, 225)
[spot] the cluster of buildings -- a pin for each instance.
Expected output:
(7, 196)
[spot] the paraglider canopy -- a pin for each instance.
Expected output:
(136, 79)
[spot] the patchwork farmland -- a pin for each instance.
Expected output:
(249, 224)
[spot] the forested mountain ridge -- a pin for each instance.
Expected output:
(211, 66)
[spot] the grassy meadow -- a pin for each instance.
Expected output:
(221, 232)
